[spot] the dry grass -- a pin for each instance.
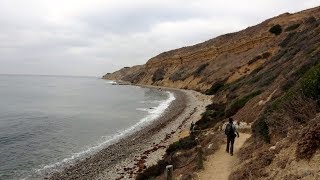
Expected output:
(254, 169)
(214, 140)
(309, 142)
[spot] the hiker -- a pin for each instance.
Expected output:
(192, 127)
(231, 132)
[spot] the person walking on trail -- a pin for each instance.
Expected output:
(231, 132)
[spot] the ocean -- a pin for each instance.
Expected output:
(48, 122)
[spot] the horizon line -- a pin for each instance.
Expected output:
(61, 75)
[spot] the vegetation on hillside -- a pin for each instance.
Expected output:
(295, 108)
(199, 70)
(237, 104)
(264, 55)
(158, 75)
(276, 29)
(310, 83)
(153, 171)
(215, 87)
(170, 157)
(184, 143)
(292, 27)
(179, 75)
(309, 142)
(214, 113)
(283, 93)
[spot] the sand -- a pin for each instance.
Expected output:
(129, 156)
(219, 165)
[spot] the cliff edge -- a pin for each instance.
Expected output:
(224, 58)
(266, 77)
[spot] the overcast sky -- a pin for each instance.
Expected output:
(93, 37)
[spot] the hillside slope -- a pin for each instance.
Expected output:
(266, 76)
(224, 58)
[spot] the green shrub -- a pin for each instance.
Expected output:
(292, 27)
(184, 143)
(312, 49)
(309, 142)
(234, 85)
(255, 71)
(216, 107)
(215, 88)
(265, 55)
(256, 78)
(311, 83)
(262, 56)
(276, 29)
(214, 113)
(208, 113)
(260, 129)
(288, 84)
(303, 69)
(267, 81)
(299, 73)
(157, 169)
(200, 158)
(310, 20)
(210, 118)
(291, 37)
(198, 71)
(280, 101)
(265, 78)
(254, 59)
(158, 75)
(240, 103)
(274, 105)
(292, 53)
(179, 75)
(153, 171)
(279, 55)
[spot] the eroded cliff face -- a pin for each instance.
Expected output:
(225, 58)
(267, 76)
(132, 74)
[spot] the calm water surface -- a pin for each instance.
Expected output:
(49, 121)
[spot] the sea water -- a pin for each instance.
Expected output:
(48, 122)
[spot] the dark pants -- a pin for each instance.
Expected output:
(230, 142)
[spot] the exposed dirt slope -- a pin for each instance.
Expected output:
(224, 58)
(267, 76)
(220, 165)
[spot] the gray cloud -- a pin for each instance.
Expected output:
(95, 37)
(129, 20)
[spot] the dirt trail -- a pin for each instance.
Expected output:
(219, 165)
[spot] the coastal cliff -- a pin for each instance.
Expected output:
(266, 77)
(224, 58)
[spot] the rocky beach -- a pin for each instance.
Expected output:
(132, 154)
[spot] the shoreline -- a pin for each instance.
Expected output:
(131, 154)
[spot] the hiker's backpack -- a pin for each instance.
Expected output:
(229, 130)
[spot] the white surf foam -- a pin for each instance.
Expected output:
(154, 113)
(111, 82)
(154, 101)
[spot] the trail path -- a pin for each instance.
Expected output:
(219, 165)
